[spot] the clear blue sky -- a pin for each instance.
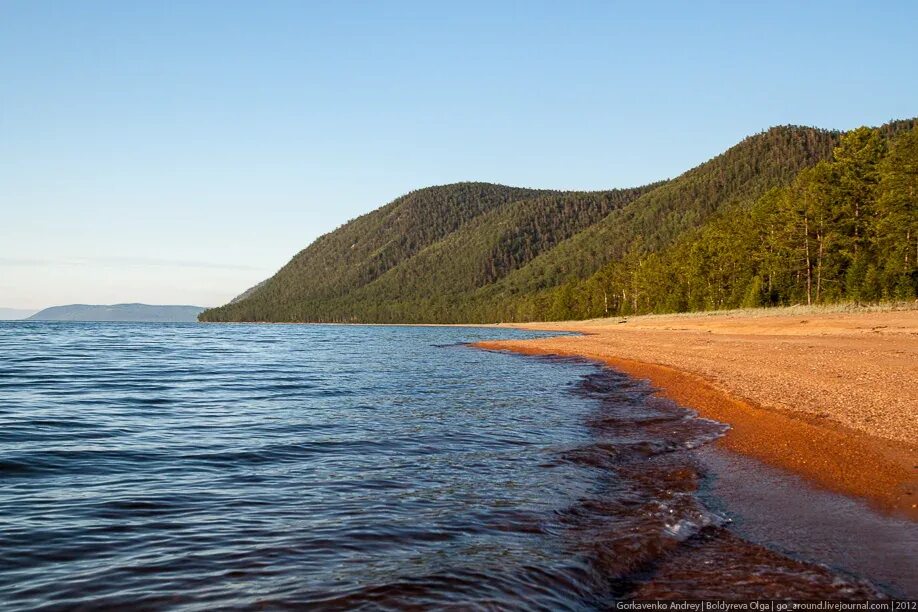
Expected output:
(178, 152)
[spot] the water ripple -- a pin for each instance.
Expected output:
(201, 466)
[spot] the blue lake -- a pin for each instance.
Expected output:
(196, 466)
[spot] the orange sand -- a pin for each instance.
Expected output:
(830, 396)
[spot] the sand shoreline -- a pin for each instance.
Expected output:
(830, 396)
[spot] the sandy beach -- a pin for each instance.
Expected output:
(830, 395)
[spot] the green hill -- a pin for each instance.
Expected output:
(432, 241)
(476, 252)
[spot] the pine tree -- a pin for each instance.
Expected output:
(896, 229)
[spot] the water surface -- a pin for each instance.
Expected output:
(192, 466)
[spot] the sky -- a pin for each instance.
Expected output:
(179, 152)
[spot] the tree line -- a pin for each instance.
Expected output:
(844, 230)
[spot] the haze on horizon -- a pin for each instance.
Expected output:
(180, 153)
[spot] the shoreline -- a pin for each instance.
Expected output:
(716, 366)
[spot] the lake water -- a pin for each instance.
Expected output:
(197, 466)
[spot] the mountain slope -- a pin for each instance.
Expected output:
(742, 173)
(435, 241)
(845, 230)
(363, 249)
(485, 250)
(474, 252)
(119, 312)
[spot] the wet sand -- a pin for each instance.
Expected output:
(778, 510)
(831, 396)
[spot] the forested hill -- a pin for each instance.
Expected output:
(432, 240)
(789, 215)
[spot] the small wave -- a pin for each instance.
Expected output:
(200, 467)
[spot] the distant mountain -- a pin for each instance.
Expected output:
(119, 312)
(14, 314)
(479, 252)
